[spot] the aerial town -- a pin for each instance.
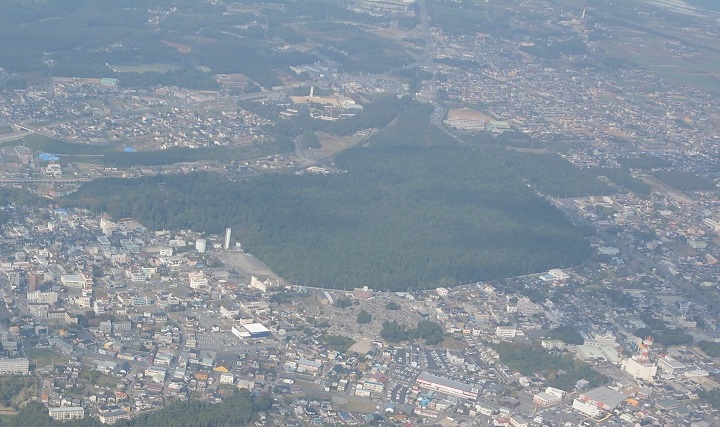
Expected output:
(114, 318)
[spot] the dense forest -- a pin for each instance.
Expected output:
(552, 174)
(559, 372)
(237, 410)
(567, 334)
(412, 209)
(430, 332)
(686, 181)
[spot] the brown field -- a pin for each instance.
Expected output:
(182, 48)
(468, 113)
(332, 144)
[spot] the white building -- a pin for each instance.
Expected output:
(198, 280)
(67, 413)
(551, 396)
(15, 366)
(640, 369)
(506, 331)
(75, 280)
(38, 297)
(601, 340)
(671, 366)
(258, 284)
(586, 408)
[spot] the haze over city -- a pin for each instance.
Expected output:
(359, 212)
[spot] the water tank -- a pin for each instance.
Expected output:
(201, 245)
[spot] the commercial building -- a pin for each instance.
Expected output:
(454, 388)
(15, 366)
(256, 330)
(67, 413)
(551, 396)
(603, 398)
(586, 408)
(640, 369)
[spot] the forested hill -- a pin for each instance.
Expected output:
(406, 214)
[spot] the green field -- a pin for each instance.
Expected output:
(44, 357)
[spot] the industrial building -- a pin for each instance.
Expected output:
(454, 388)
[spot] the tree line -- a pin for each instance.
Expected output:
(430, 332)
(239, 409)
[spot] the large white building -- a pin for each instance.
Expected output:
(75, 280)
(447, 386)
(586, 408)
(384, 7)
(42, 297)
(604, 339)
(15, 366)
(506, 331)
(197, 280)
(640, 369)
(671, 366)
(551, 396)
(67, 413)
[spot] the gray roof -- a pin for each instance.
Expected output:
(426, 376)
(606, 396)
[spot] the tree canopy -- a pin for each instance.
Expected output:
(411, 209)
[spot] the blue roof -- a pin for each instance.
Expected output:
(129, 150)
(48, 157)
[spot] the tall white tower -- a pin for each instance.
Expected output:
(228, 232)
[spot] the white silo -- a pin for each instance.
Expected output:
(201, 245)
(228, 232)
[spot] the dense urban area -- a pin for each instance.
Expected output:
(361, 212)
